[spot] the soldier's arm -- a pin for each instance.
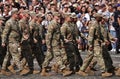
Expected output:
(82, 35)
(5, 32)
(41, 32)
(91, 36)
(63, 31)
(21, 24)
(111, 38)
(49, 35)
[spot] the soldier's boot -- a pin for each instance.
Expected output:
(117, 72)
(36, 71)
(89, 71)
(66, 72)
(26, 67)
(82, 73)
(3, 72)
(55, 68)
(11, 68)
(44, 73)
(24, 71)
(106, 74)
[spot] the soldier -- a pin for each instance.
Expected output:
(26, 51)
(53, 47)
(77, 58)
(2, 53)
(35, 42)
(70, 33)
(12, 32)
(95, 41)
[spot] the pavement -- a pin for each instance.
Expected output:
(116, 63)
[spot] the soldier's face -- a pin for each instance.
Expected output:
(27, 16)
(58, 19)
(99, 19)
(16, 15)
(69, 18)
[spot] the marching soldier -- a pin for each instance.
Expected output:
(2, 53)
(77, 58)
(95, 41)
(12, 32)
(26, 51)
(53, 47)
(35, 42)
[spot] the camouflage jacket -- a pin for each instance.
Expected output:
(11, 32)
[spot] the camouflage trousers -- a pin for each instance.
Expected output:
(57, 54)
(97, 56)
(14, 52)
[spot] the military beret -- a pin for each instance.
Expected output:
(2, 18)
(56, 13)
(32, 13)
(13, 11)
(98, 15)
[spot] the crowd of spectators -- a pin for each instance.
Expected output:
(84, 10)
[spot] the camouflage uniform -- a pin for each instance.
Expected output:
(96, 39)
(53, 41)
(36, 47)
(70, 32)
(12, 32)
(2, 49)
(106, 55)
(26, 51)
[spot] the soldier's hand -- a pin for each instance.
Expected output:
(35, 41)
(78, 41)
(43, 41)
(66, 41)
(49, 48)
(107, 43)
(25, 37)
(3, 44)
(115, 39)
(91, 48)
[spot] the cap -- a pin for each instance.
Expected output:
(2, 18)
(13, 11)
(56, 13)
(73, 15)
(75, 5)
(25, 12)
(67, 15)
(39, 15)
(52, 3)
(98, 15)
(32, 13)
